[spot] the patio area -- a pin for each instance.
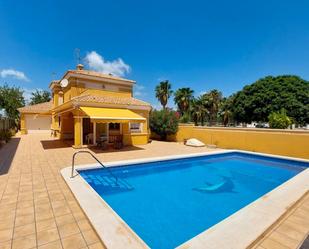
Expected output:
(38, 210)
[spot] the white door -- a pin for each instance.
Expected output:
(38, 124)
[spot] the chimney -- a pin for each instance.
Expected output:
(80, 67)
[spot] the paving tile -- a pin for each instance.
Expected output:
(75, 241)
(6, 234)
(44, 215)
(68, 229)
(6, 245)
(90, 237)
(65, 219)
(284, 240)
(24, 220)
(24, 211)
(84, 225)
(45, 224)
(24, 204)
(288, 229)
(22, 231)
(98, 245)
(272, 244)
(52, 245)
(47, 236)
(27, 242)
(7, 223)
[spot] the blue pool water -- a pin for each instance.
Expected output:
(169, 202)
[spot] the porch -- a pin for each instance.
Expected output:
(90, 126)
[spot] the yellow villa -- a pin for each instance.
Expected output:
(87, 107)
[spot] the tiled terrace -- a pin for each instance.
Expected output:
(37, 209)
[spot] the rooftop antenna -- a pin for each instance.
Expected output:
(77, 56)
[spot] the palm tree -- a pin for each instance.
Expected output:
(182, 99)
(198, 110)
(212, 101)
(163, 92)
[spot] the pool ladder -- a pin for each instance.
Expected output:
(87, 152)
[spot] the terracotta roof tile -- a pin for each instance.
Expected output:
(111, 100)
(38, 108)
(97, 74)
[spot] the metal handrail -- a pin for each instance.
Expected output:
(84, 151)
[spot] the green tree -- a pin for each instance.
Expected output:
(40, 96)
(279, 120)
(11, 98)
(225, 110)
(270, 94)
(164, 122)
(183, 98)
(163, 92)
(198, 111)
(211, 101)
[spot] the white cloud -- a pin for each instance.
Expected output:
(14, 74)
(97, 63)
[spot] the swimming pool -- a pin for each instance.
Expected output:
(169, 202)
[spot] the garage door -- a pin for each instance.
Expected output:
(38, 124)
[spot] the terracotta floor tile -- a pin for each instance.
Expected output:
(99, 245)
(6, 245)
(24, 211)
(90, 237)
(84, 225)
(27, 242)
(7, 223)
(45, 224)
(284, 240)
(65, 219)
(68, 229)
(52, 245)
(24, 204)
(44, 215)
(47, 236)
(24, 220)
(6, 234)
(289, 230)
(75, 241)
(22, 231)
(272, 244)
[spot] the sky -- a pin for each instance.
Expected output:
(199, 44)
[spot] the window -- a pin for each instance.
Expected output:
(114, 126)
(135, 127)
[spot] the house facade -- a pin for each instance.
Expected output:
(89, 106)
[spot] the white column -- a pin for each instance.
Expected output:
(94, 133)
(81, 131)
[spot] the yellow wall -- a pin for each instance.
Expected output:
(280, 142)
(135, 139)
(76, 89)
(23, 128)
(77, 132)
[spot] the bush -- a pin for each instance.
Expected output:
(5, 135)
(164, 122)
(279, 120)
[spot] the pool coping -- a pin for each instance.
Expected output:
(251, 221)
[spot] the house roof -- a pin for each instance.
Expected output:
(110, 100)
(97, 74)
(38, 108)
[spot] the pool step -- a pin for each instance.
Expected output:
(109, 183)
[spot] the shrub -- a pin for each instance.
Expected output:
(279, 120)
(5, 135)
(164, 122)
